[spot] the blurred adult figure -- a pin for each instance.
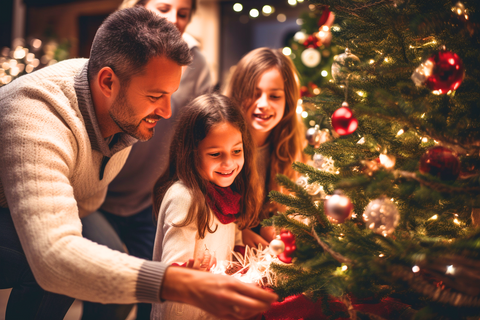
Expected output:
(125, 218)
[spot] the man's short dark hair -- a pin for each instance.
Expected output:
(129, 38)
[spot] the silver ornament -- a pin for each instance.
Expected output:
(318, 160)
(302, 181)
(338, 207)
(276, 246)
(345, 66)
(382, 216)
(313, 135)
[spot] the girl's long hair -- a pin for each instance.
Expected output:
(193, 125)
(287, 139)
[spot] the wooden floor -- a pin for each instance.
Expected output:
(74, 313)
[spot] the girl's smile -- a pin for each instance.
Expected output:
(221, 154)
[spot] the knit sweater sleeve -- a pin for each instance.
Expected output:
(40, 160)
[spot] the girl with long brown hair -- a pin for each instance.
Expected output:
(265, 84)
(208, 192)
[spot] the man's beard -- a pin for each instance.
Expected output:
(123, 115)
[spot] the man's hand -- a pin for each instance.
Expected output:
(220, 295)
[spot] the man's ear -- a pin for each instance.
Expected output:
(107, 80)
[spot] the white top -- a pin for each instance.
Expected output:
(174, 244)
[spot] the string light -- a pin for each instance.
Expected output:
(324, 73)
(287, 51)
(237, 7)
(450, 270)
(434, 217)
(267, 10)
(400, 132)
(415, 269)
(292, 2)
(254, 13)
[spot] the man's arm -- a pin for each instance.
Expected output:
(222, 296)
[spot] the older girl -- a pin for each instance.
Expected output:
(265, 84)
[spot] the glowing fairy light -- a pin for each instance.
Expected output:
(324, 73)
(299, 109)
(292, 2)
(381, 255)
(415, 269)
(456, 221)
(237, 7)
(287, 51)
(425, 139)
(254, 13)
(304, 114)
(434, 217)
(450, 270)
(267, 10)
(344, 268)
(372, 61)
(400, 132)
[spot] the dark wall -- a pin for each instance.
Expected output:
(240, 34)
(6, 14)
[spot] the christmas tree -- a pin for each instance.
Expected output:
(389, 209)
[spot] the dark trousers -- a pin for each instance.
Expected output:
(27, 299)
(137, 232)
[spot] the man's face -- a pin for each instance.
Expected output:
(138, 107)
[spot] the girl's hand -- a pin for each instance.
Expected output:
(252, 239)
(268, 233)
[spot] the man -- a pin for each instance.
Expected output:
(65, 132)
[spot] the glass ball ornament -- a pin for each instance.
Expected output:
(311, 57)
(381, 216)
(338, 207)
(345, 66)
(440, 162)
(289, 240)
(277, 246)
(313, 135)
(441, 72)
(318, 160)
(343, 121)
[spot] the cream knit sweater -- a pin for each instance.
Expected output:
(50, 160)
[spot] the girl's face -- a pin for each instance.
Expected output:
(221, 154)
(176, 11)
(269, 105)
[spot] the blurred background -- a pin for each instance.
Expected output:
(54, 30)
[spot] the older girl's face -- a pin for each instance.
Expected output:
(269, 103)
(176, 11)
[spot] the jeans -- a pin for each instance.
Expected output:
(27, 299)
(137, 232)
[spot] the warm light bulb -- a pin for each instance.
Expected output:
(237, 7)
(254, 13)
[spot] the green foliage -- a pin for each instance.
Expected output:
(397, 119)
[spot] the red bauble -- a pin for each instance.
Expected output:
(338, 207)
(343, 121)
(440, 162)
(447, 72)
(311, 42)
(289, 239)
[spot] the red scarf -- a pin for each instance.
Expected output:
(224, 202)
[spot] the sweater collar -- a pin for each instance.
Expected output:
(109, 146)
